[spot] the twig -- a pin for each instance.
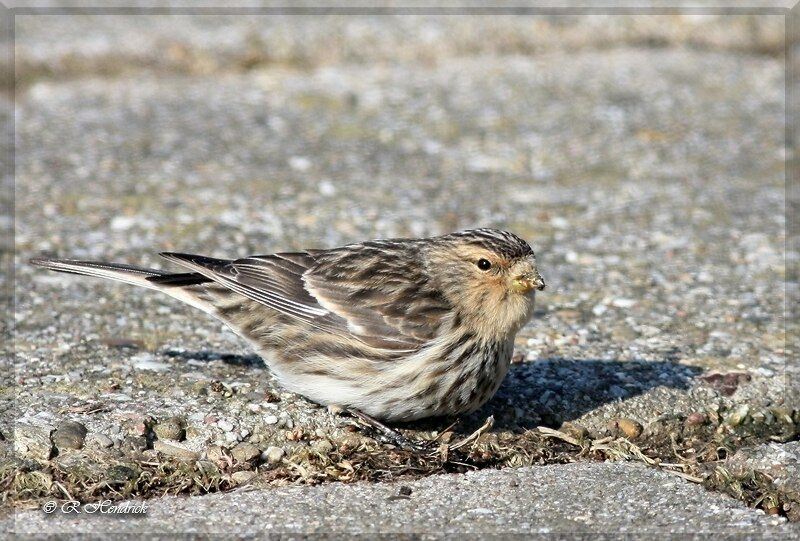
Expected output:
(65, 491)
(550, 433)
(686, 476)
(475, 435)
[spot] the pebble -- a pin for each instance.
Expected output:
(323, 446)
(245, 452)
(69, 435)
(273, 455)
(99, 440)
(696, 419)
(175, 450)
(217, 454)
(575, 430)
(630, 428)
(121, 473)
(334, 409)
(173, 428)
(737, 416)
(33, 441)
(147, 361)
(271, 419)
(134, 444)
(242, 477)
(225, 425)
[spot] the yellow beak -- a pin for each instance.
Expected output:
(523, 284)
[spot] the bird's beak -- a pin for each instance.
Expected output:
(528, 281)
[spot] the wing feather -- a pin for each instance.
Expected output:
(365, 291)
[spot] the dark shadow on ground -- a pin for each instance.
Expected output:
(552, 391)
(234, 359)
(541, 393)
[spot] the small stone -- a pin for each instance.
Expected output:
(405, 491)
(173, 428)
(577, 431)
(121, 473)
(33, 441)
(323, 446)
(147, 361)
(271, 397)
(142, 425)
(295, 435)
(271, 419)
(623, 303)
(122, 343)
(69, 435)
(630, 428)
(569, 315)
(242, 477)
(134, 444)
(623, 334)
(273, 455)
(696, 419)
(218, 454)
(737, 416)
(225, 425)
(649, 330)
(245, 452)
(175, 450)
(518, 357)
(100, 441)
(335, 409)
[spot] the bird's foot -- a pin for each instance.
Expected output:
(386, 434)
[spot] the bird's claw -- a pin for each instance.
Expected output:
(386, 434)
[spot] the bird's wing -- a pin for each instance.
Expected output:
(372, 306)
(383, 292)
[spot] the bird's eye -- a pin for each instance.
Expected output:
(484, 264)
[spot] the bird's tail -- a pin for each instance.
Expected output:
(176, 285)
(137, 276)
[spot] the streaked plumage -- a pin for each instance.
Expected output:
(399, 329)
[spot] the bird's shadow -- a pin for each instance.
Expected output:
(250, 360)
(547, 392)
(550, 392)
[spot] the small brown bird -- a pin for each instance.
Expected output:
(397, 329)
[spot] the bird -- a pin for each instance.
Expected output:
(395, 329)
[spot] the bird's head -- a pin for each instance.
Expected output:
(490, 278)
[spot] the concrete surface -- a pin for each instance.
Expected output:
(566, 499)
(643, 158)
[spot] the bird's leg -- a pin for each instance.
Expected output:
(448, 429)
(387, 434)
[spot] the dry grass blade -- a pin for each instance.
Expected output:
(550, 433)
(475, 435)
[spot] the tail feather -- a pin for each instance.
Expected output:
(129, 274)
(177, 285)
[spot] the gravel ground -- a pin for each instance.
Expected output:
(573, 499)
(650, 181)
